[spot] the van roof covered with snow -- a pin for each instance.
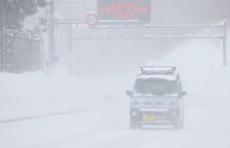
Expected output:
(158, 72)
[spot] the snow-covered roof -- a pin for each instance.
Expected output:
(158, 70)
(170, 77)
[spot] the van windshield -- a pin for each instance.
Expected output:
(155, 86)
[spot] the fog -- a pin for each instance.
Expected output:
(114, 73)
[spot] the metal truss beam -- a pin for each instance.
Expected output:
(101, 31)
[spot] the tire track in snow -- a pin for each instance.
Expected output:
(12, 120)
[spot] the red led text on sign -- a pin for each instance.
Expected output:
(123, 10)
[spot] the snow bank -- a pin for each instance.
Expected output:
(32, 94)
(38, 93)
(195, 60)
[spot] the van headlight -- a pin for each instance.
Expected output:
(135, 103)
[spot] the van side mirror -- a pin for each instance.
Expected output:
(129, 93)
(183, 93)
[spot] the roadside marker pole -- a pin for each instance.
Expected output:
(225, 45)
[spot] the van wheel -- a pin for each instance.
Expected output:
(179, 124)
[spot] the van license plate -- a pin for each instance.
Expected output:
(148, 118)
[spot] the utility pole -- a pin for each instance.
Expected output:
(51, 32)
(2, 32)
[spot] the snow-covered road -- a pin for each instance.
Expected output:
(105, 122)
(57, 111)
